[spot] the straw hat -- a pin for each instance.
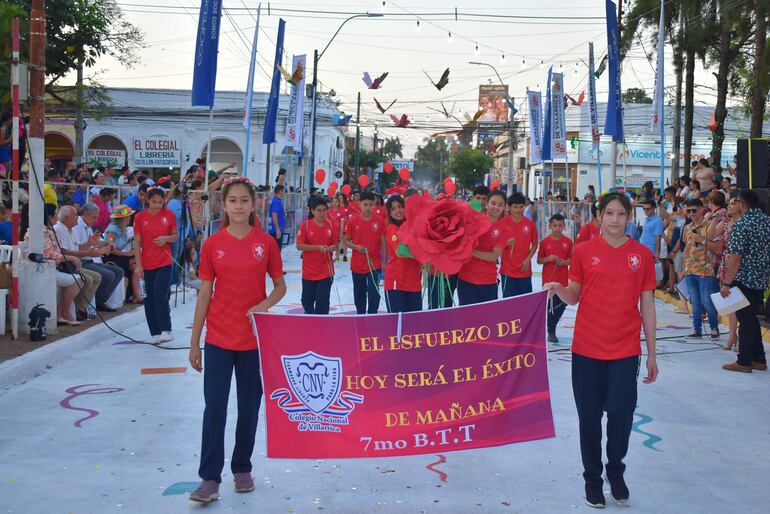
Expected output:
(122, 211)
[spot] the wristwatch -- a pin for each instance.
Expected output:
(727, 285)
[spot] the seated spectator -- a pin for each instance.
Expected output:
(80, 195)
(122, 253)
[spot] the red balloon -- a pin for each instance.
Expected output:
(712, 123)
(494, 185)
(332, 188)
(387, 167)
(347, 189)
(450, 187)
(363, 180)
(404, 174)
(320, 175)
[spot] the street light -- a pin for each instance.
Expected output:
(316, 58)
(511, 133)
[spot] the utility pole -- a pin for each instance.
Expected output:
(512, 146)
(36, 280)
(358, 134)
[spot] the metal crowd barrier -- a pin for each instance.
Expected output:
(576, 214)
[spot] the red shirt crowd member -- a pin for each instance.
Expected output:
(234, 264)
(154, 230)
(317, 240)
(364, 234)
(402, 274)
(591, 229)
(515, 262)
(477, 279)
(613, 278)
(554, 254)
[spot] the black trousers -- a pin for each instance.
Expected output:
(749, 331)
(439, 295)
(366, 295)
(558, 310)
(217, 375)
(315, 295)
(604, 386)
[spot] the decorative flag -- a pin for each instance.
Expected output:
(593, 114)
(657, 101)
(250, 84)
(296, 119)
(613, 124)
(546, 148)
(534, 103)
(206, 48)
(558, 128)
(271, 118)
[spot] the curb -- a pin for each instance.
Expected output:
(665, 297)
(36, 362)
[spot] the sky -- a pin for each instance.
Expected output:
(520, 38)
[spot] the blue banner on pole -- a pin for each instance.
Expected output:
(613, 124)
(206, 48)
(271, 118)
(547, 120)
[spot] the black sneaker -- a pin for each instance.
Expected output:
(552, 337)
(714, 334)
(694, 335)
(619, 490)
(595, 497)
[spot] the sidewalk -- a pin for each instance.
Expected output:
(93, 434)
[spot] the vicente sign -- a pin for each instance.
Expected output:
(157, 152)
(106, 157)
(405, 384)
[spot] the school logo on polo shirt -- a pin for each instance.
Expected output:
(375, 227)
(164, 220)
(634, 262)
(314, 398)
(525, 229)
(258, 251)
(220, 254)
(495, 232)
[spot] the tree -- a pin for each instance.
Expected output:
(635, 95)
(469, 166)
(431, 159)
(78, 32)
(392, 148)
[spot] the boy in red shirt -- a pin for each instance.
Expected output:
(554, 254)
(515, 262)
(364, 234)
(317, 239)
(590, 230)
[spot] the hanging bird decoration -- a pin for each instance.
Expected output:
(382, 109)
(443, 81)
(341, 121)
(472, 120)
(602, 65)
(568, 100)
(402, 122)
(296, 77)
(377, 82)
(447, 114)
(511, 105)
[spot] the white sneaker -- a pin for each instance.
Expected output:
(166, 336)
(156, 339)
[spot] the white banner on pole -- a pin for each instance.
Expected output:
(657, 101)
(534, 102)
(296, 119)
(593, 113)
(558, 128)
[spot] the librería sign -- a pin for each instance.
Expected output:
(106, 157)
(157, 152)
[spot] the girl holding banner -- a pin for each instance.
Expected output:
(606, 344)
(402, 273)
(239, 253)
(317, 239)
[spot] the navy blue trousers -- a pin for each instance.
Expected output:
(515, 286)
(468, 293)
(366, 296)
(403, 301)
(439, 296)
(156, 308)
(600, 386)
(217, 375)
(315, 295)
(553, 317)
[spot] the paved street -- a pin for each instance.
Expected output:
(95, 435)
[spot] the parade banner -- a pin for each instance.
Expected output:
(295, 122)
(247, 107)
(535, 127)
(271, 117)
(593, 113)
(558, 123)
(613, 123)
(206, 48)
(547, 120)
(405, 384)
(656, 125)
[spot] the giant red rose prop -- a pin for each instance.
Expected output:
(442, 233)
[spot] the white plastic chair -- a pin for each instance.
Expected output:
(6, 251)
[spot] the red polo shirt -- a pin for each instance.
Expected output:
(401, 273)
(478, 271)
(525, 234)
(367, 233)
(317, 265)
(148, 227)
